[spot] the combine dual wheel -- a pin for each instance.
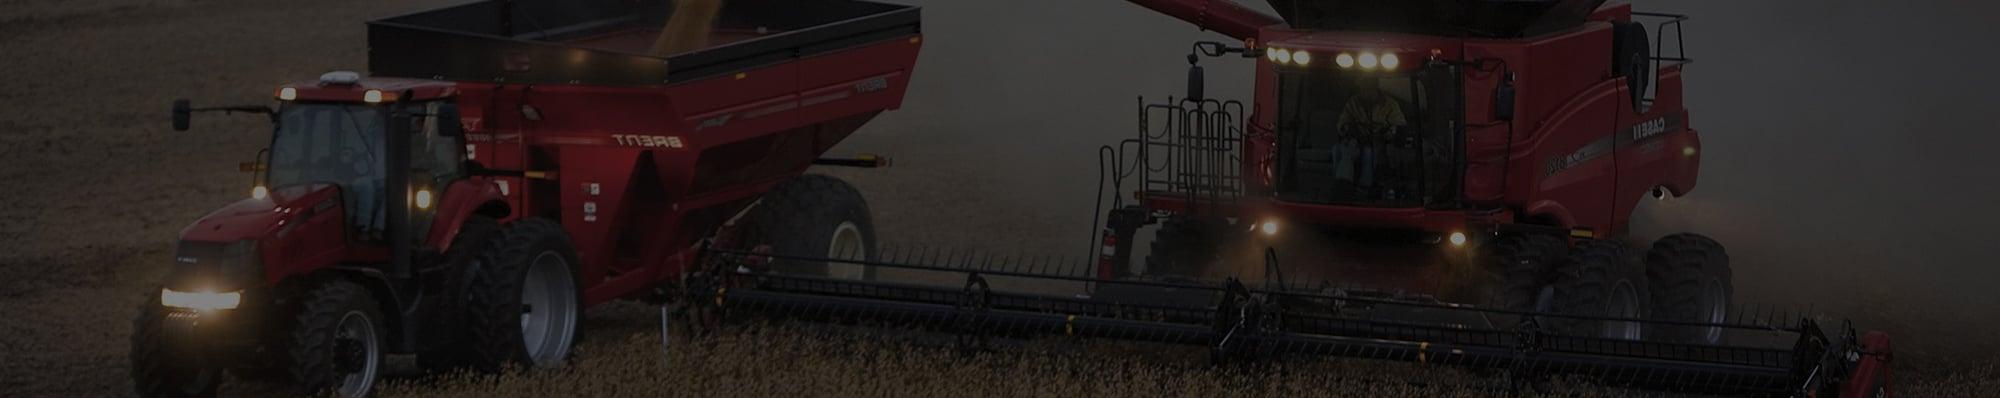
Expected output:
(810, 215)
(1601, 279)
(1691, 283)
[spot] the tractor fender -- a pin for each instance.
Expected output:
(1550, 210)
(462, 200)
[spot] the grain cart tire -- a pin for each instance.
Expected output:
(445, 327)
(1691, 283)
(524, 306)
(1182, 248)
(335, 340)
(156, 370)
(1518, 268)
(1632, 59)
(1601, 279)
(815, 215)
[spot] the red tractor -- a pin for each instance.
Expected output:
(1485, 152)
(507, 164)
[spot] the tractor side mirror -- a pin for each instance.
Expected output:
(1196, 82)
(1503, 100)
(448, 122)
(182, 113)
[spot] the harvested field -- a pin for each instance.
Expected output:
(1847, 167)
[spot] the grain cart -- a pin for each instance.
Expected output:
(1459, 174)
(507, 164)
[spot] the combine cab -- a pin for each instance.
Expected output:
(507, 164)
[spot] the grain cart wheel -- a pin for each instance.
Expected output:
(1691, 283)
(158, 366)
(445, 327)
(814, 215)
(1517, 268)
(1600, 279)
(335, 340)
(524, 306)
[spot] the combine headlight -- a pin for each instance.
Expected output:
(288, 94)
(1345, 60)
(372, 96)
(1302, 58)
(1391, 61)
(1284, 56)
(423, 199)
(260, 192)
(1457, 239)
(1268, 227)
(1368, 61)
(200, 301)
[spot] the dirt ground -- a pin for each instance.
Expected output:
(1846, 165)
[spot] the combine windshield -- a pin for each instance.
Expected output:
(1368, 139)
(338, 144)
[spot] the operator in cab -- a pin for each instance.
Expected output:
(1368, 120)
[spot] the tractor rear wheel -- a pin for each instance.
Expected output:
(524, 306)
(335, 340)
(813, 216)
(1601, 280)
(1691, 283)
(445, 327)
(156, 370)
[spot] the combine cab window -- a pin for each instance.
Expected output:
(1368, 139)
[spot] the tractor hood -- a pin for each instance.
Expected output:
(253, 218)
(1470, 18)
(229, 249)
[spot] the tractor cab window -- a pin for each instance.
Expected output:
(342, 144)
(1367, 138)
(333, 143)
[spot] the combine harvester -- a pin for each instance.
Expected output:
(506, 165)
(1460, 174)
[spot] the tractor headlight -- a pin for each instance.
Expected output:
(201, 300)
(1268, 227)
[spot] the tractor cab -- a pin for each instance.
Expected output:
(326, 181)
(334, 131)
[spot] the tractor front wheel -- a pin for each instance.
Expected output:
(334, 344)
(160, 367)
(1691, 283)
(1598, 282)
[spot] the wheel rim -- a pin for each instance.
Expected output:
(548, 309)
(358, 354)
(847, 244)
(1717, 299)
(1622, 303)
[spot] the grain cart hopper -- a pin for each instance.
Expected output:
(1440, 181)
(504, 165)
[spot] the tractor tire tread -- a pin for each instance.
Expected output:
(493, 302)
